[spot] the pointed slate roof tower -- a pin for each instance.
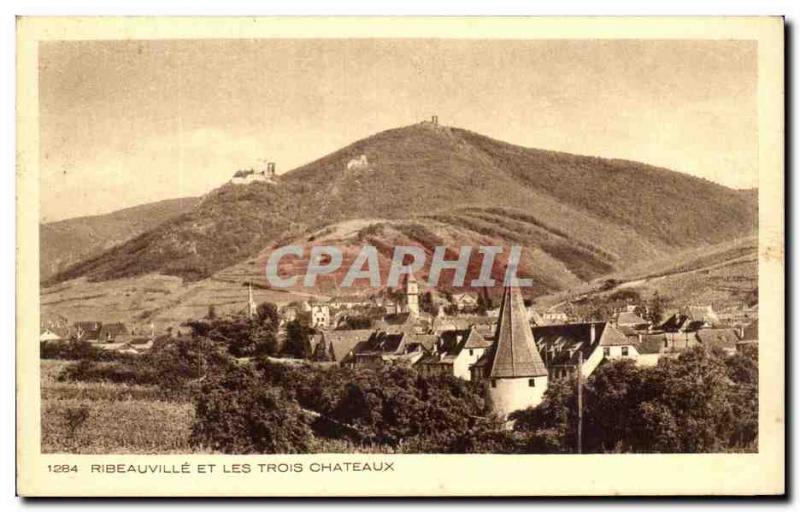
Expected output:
(514, 353)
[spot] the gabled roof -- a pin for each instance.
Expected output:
(386, 342)
(559, 344)
(341, 343)
(426, 341)
(453, 323)
(475, 339)
(610, 336)
(627, 318)
(514, 352)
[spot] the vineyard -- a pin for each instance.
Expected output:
(87, 417)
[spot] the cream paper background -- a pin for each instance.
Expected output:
(417, 475)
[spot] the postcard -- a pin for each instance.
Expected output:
(400, 256)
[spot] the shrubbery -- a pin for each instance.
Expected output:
(393, 407)
(237, 413)
(700, 402)
(173, 363)
(75, 350)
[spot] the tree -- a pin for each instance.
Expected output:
(426, 303)
(396, 406)
(297, 340)
(354, 322)
(237, 413)
(267, 314)
(612, 396)
(655, 309)
(551, 427)
(684, 406)
(482, 307)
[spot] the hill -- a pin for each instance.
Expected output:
(722, 275)
(67, 242)
(582, 217)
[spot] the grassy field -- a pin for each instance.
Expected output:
(110, 418)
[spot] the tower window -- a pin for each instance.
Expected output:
(494, 383)
(624, 351)
(531, 383)
(470, 351)
(606, 351)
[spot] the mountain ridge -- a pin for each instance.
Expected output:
(580, 207)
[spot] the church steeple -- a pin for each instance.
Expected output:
(251, 303)
(412, 294)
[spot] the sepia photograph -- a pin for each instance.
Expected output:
(362, 248)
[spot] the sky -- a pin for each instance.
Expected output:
(130, 122)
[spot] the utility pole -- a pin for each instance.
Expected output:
(580, 401)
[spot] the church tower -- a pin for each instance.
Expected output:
(512, 367)
(251, 304)
(412, 295)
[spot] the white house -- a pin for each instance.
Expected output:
(455, 352)
(320, 314)
(246, 176)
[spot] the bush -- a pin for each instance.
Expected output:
(701, 402)
(173, 363)
(76, 350)
(237, 413)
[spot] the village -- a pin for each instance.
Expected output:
(511, 347)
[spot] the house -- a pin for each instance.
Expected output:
(553, 317)
(653, 346)
(454, 353)
(563, 346)
(247, 176)
(690, 319)
(484, 324)
(512, 369)
(87, 330)
(288, 314)
(335, 346)
(320, 315)
(349, 302)
(388, 347)
(740, 315)
(630, 320)
(49, 335)
(109, 333)
(465, 301)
